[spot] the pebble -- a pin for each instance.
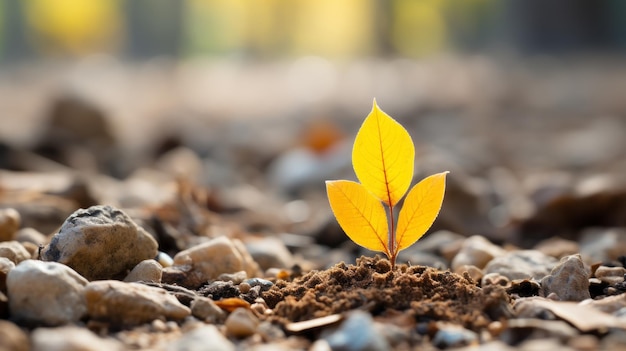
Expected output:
(146, 271)
(9, 223)
(522, 264)
(46, 293)
(241, 323)
(199, 339)
(270, 252)
(236, 277)
(357, 333)
(5, 266)
(164, 259)
(476, 251)
(264, 284)
(454, 336)
(610, 275)
(14, 251)
(31, 235)
(569, 280)
(100, 242)
(212, 258)
(131, 303)
(72, 338)
(12, 338)
(602, 245)
(206, 310)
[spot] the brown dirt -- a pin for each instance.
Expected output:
(425, 293)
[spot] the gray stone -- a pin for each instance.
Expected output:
(357, 333)
(270, 253)
(145, 271)
(206, 310)
(200, 338)
(14, 251)
(569, 280)
(241, 323)
(522, 264)
(602, 245)
(100, 242)
(9, 223)
(476, 251)
(208, 260)
(71, 338)
(131, 303)
(47, 293)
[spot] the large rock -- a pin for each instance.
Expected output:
(100, 242)
(208, 260)
(47, 293)
(130, 304)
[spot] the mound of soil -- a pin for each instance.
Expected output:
(424, 293)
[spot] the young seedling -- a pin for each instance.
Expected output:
(383, 156)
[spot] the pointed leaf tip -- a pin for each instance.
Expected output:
(383, 156)
(420, 209)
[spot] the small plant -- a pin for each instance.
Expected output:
(383, 156)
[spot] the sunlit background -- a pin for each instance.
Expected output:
(459, 72)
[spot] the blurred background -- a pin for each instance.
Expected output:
(522, 100)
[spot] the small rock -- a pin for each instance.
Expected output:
(610, 275)
(206, 310)
(557, 247)
(236, 277)
(164, 259)
(145, 271)
(200, 338)
(100, 242)
(5, 266)
(357, 333)
(476, 251)
(522, 264)
(12, 338)
(454, 336)
(270, 252)
(569, 280)
(131, 303)
(71, 338)
(14, 251)
(241, 323)
(9, 223)
(264, 284)
(610, 304)
(31, 235)
(46, 293)
(212, 258)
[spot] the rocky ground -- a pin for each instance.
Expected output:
(217, 235)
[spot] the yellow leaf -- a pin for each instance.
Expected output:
(420, 209)
(383, 157)
(360, 214)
